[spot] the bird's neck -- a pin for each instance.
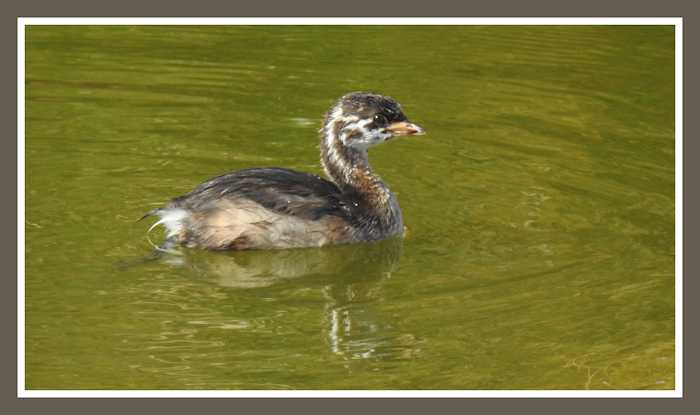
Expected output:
(376, 212)
(349, 169)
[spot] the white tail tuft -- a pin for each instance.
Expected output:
(171, 219)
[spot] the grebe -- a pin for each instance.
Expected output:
(271, 208)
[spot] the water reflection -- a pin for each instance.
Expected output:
(356, 331)
(350, 276)
(241, 270)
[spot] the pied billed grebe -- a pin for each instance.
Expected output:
(269, 208)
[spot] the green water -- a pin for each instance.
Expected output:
(539, 205)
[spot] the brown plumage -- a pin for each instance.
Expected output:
(269, 208)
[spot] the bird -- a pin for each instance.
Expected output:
(279, 208)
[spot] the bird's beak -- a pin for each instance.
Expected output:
(404, 128)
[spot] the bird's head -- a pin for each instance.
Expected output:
(360, 120)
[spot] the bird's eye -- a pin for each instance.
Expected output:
(380, 119)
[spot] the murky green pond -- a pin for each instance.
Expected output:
(540, 209)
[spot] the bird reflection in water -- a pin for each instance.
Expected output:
(350, 276)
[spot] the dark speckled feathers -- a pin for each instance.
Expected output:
(304, 195)
(366, 105)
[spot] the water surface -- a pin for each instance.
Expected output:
(540, 209)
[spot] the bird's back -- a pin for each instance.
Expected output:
(260, 208)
